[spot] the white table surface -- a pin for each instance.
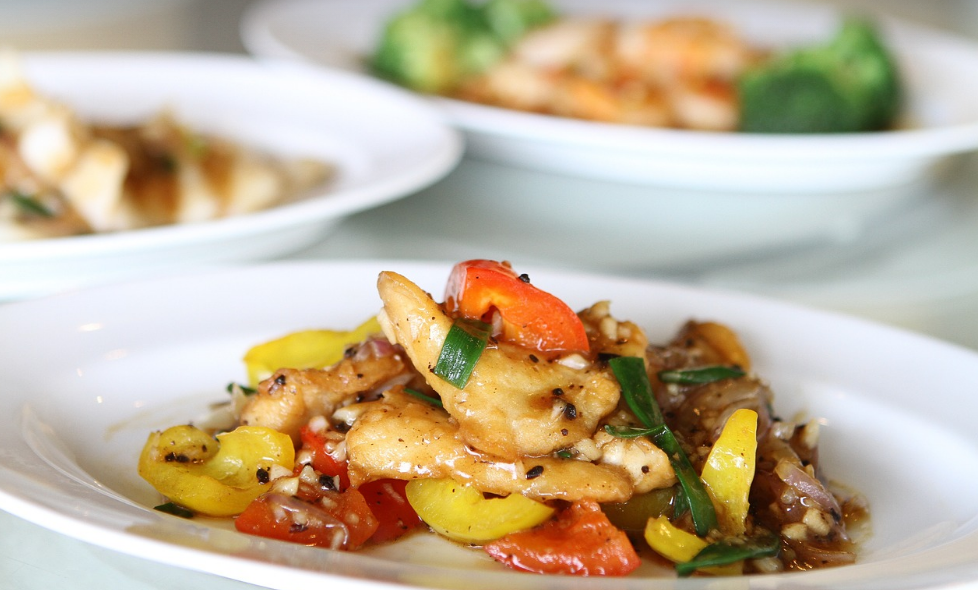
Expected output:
(868, 282)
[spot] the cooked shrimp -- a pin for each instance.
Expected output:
(678, 72)
(681, 49)
(515, 404)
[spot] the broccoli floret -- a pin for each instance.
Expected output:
(434, 45)
(511, 19)
(418, 51)
(850, 84)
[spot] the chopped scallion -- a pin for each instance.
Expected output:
(463, 346)
(634, 381)
(700, 376)
(30, 204)
(426, 398)
(244, 388)
(175, 510)
(635, 387)
(697, 499)
(731, 551)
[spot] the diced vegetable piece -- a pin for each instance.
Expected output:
(530, 316)
(580, 541)
(729, 470)
(323, 460)
(462, 513)
(461, 351)
(633, 514)
(387, 499)
(309, 349)
(216, 477)
(342, 521)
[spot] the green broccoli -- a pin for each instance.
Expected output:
(850, 84)
(511, 19)
(434, 45)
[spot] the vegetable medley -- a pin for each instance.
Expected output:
(683, 71)
(557, 442)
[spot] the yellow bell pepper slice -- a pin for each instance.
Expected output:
(729, 470)
(308, 349)
(214, 476)
(678, 546)
(462, 513)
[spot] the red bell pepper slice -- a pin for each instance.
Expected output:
(330, 524)
(388, 501)
(580, 541)
(530, 316)
(323, 460)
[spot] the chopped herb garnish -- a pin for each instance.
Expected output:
(463, 346)
(175, 510)
(630, 431)
(634, 381)
(243, 388)
(30, 204)
(635, 387)
(700, 376)
(730, 551)
(427, 398)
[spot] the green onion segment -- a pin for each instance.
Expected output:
(174, 509)
(463, 346)
(635, 387)
(700, 376)
(634, 381)
(731, 551)
(30, 204)
(423, 397)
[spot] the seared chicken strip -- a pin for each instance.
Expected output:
(291, 397)
(516, 403)
(403, 438)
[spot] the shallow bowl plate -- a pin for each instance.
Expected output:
(90, 374)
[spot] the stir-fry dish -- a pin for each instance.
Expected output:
(556, 442)
(61, 176)
(689, 72)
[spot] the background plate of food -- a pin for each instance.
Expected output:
(117, 164)
(933, 117)
(134, 358)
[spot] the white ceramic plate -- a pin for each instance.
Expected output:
(90, 374)
(941, 74)
(386, 144)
